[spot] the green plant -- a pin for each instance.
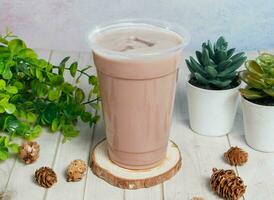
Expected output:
(34, 93)
(6, 147)
(259, 77)
(216, 65)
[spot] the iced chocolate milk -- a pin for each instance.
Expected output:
(137, 67)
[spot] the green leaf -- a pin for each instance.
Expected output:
(92, 80)
(2, 109)
(12, 89)
(34, 133)
(79, 95)
(252, 94)
(230, 52)
(96, 90)
(4, 52)
(253, 67)
(62, 66)
(251, 80)
(27, 53)
(211, 71)
(55, 124)
(7, 74)
(199, 57)
(205, 57)
(210, 50)
(73, 110)
(192, 71)
(237, 56)
(201, 79)
(55, 80)
(95, 106)
(11, 123)
(4, 154)
(2, 67)
(67, 88)
(2, 84)
(234, 66)
(224, 64)
(69, 132)
(39, 74)
(196, 66)
(50, 113)
(73, 69)
(221, 44)
(269, 91)
(10, 108)
(221, 83)
(31, 117)
(54, 94)
(16, 45)
(14, 148)
(64, 61)
(85, 116)
(220, 56)
(18, 84)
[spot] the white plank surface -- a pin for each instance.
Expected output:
(200, 155)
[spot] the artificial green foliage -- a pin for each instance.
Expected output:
(34, 94)
(216, 65)
(259, 77)
(7, 147)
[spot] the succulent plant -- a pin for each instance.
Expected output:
(259, 77)
(216, 65)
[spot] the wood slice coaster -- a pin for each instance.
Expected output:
(105, 169)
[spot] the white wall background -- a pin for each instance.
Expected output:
(64, 24)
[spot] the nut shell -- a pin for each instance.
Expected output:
(45, 177)
(29, 152)
(76, 170)
(235, 156)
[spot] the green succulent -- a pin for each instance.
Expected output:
(259, 77)
(215, 67)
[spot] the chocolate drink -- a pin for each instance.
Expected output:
(137, 67)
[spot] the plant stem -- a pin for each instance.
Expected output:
(97, 99)
(80, 71)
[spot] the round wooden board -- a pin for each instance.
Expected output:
(105, 169)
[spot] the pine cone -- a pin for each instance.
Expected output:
(76, 170)
(45, 177)
(236, 156)
(29, 152)
(227, 184)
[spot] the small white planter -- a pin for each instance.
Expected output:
(259, 126)
(212, 112)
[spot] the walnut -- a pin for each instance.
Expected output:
(45, 177)
(76, 170)
(227, 184)
(29, 152)
(236, 156)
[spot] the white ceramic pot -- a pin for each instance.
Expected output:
(212, 112)
(259, 126)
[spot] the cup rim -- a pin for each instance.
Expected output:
(167, 26)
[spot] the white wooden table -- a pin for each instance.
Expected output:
(200, 155)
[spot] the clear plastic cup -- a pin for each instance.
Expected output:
(137, 91)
